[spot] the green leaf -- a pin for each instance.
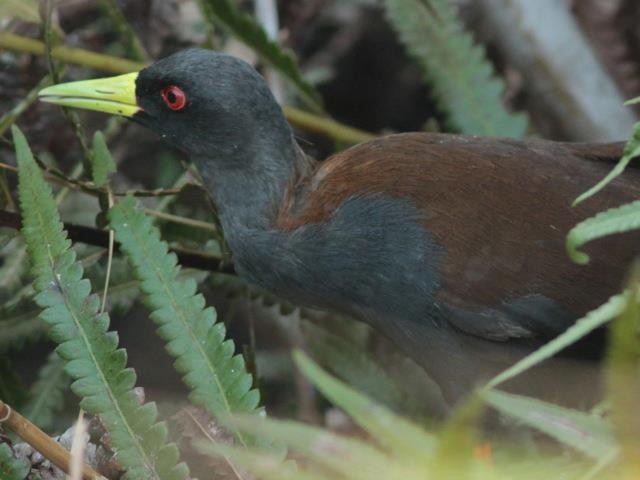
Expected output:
(92, 358)
(12, 468)
(586, 433)
(46, 396)
(344, 457)
(102, 163)
(615, 220)
(353, 364)
(132, 44)
(265, 466)
(458, 439)
(592, 320)
(218, 379)
(226, 14)
(631, 151)
(19, 329)
(399, 450)
(402, 437)
(463, 81)
(623, 373)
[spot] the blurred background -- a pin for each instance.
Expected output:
(556, 69)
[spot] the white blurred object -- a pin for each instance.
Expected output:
(544, 42)
(267, 14)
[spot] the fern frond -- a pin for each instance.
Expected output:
(46, 396)
(631, 151)
(463, 81)
(615, 220)
(92, 358)
(12, 468)
(244, 27)
(217, 378)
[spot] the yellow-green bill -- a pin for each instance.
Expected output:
(114, 95)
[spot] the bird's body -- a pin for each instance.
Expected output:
(452, 246)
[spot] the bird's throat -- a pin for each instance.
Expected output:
(250, 198)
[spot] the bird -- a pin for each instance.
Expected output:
(452, 246)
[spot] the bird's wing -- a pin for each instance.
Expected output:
(500, 209)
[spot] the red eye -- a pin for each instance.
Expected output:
(174, 97)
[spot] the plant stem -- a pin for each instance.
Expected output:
(100, 238)
(76, 56)
(190, 222)
(40, 441)
(107, 63)
(325, 126)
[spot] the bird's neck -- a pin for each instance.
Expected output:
(250, 198)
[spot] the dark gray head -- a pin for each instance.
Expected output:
(218, 110)
(211, 104)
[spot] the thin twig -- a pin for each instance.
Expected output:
(40, 441)
(210, 437)
(100, 238)
(325, 126)
(109, 261)
(181, 220)
(77, 56)
(55, 175)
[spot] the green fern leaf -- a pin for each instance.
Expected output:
(217, 378)
(243, 26)
(92, 358)
(12, 468)
(461, 77)
(102, 163)
(631, 151)
(615, 220)
(46, 397)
